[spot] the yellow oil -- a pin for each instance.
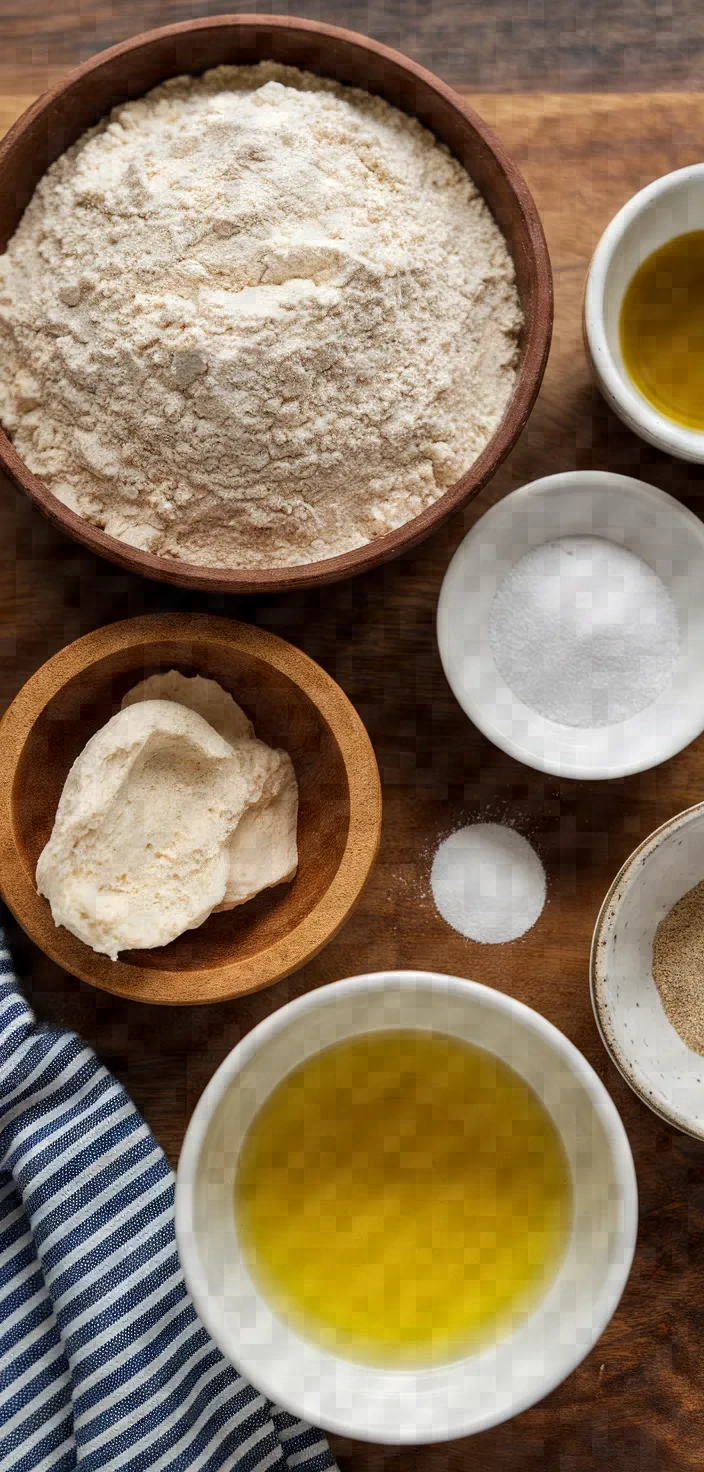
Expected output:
(402, 1197)
(662, 329)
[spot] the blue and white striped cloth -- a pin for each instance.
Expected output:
(103, 1362)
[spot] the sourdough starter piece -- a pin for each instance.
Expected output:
(141, 848)
(206, 697)
(255, 319)
(263, 849)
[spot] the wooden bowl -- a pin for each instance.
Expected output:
(129, 70)
(293, 704)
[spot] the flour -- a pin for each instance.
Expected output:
(255, 319)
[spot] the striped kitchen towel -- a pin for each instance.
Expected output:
(103, 1362)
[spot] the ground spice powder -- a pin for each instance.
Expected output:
(678, 966)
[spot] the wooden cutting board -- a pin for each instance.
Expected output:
(636, 1403)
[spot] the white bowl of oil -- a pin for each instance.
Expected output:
(406, 1207)
(644, 313)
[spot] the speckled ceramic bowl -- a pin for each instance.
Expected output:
(666, 1074)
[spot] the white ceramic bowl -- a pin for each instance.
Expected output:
(408, 1406)
(596, 503)
(670, 206)
(666, 1074)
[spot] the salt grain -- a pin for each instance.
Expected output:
(584, 632)
(488, 883)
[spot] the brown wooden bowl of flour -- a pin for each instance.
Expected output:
(131, 69)
(293, 705)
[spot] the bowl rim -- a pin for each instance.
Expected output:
(636, 411)
(476, 711)
(604, 1106)
(205, 984)
(402, 539)
(608, 912)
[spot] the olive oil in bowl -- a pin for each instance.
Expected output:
(402, 1198)
(662, 329)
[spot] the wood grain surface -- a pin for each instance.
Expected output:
(492, 45)
(636, 1402)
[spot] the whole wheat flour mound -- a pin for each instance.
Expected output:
(255, 319)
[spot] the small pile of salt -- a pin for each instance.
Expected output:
(488, 883)
(584, 632)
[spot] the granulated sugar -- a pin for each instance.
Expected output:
(488, 883)
(584, 632)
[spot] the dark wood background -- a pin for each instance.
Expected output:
(493, 45)
(636, 1403)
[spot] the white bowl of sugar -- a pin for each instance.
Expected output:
(571, 625)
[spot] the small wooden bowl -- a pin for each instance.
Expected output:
(129, 70)
(293, 703)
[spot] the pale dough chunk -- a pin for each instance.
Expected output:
(205, 697)
(140, 846)
(263, 848)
